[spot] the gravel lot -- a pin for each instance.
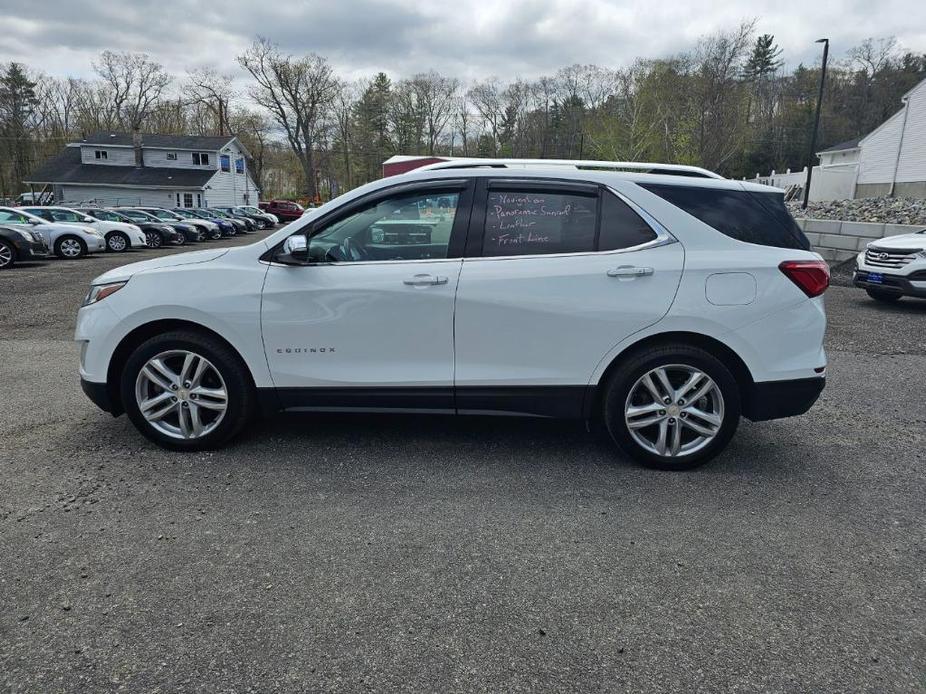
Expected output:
(433, 554)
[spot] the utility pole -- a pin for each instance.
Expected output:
(816, 122)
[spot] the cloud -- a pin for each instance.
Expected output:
(464, 38)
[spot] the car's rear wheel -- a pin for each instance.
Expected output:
(180, 239)
(187, 391)
(153, 239)
(70, 247)
(7, 255)
(672, 407)
(116, 242)
(882, 295)
(215, 234)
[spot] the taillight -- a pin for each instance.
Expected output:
(812, 276)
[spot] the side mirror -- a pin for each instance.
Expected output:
(34, 222)
(297, 248)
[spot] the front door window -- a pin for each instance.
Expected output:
(408, 227)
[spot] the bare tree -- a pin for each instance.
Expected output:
(134, 82)
(298, 92)
(434, 95)
(212, 90)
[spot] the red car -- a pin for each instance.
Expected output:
(285, 210)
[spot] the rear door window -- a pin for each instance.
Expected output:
(759, 218)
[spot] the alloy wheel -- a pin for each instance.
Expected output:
(181, 394)
(6, 255)
(674, 410)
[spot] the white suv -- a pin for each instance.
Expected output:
(893, 267)
(665, 301)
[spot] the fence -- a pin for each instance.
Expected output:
(827, 183)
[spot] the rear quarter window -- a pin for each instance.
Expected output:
(759, 218)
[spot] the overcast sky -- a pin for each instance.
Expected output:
(462, 38)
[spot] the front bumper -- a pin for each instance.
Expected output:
(30, 250)
(98, 394)
(95, 244)
(777, 399)
(913, 284)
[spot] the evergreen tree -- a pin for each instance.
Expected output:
(17, 104)
(764, 60)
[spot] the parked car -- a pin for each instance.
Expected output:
(666, 305)
(66, 240)
(252, 209)
(18, 243)
(245, 224)
(186, 233)
(223, 226)
(206, 229)
(284, 210)
(156, 232)
(262, 219)
(119, 236)
(193, 229)
(893, 267)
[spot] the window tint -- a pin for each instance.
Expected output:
(531, 223)
(65, 216)
(759, 218)
(408, 227)
(621, 227)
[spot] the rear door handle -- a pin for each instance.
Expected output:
(424, 280)
(630, 271)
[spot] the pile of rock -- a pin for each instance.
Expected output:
(878, 210)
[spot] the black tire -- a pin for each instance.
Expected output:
(153, 239)
(181, 239)
(117, 242)
(215, 234)
(7, 255)
(634, 367)
(242, 399)
(66, 249)
(882, 295)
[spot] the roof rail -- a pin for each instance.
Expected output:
(643, 167)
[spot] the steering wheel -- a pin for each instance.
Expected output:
(353, 251)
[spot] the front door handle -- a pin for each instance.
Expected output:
(424, 280)
(630, 271)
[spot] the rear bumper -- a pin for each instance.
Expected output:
(778, 399)
(895, 284)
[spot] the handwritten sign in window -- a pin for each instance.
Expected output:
(520, 223)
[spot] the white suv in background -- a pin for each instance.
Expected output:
(893, 267)
(664, 300)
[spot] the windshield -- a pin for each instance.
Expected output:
(139, 215)
(105, 215)
(197, 213)
(164, 214)
(19, 217)
(250, 209)
(60, 214)
(219, 213)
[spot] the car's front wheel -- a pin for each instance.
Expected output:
(116, 242)
(881, 295)
(180, 239)
(672, 407)
(187, 391)
(7, 255)
(70, 247)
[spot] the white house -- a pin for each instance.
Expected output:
(151, 170)
(843, 155)
(893, 156)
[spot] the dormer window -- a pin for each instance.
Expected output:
(200, 158)
(225, 162)
(100, 154)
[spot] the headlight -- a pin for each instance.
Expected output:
(28, 235)
(98, 292)
(922, 253)
(94, 232)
